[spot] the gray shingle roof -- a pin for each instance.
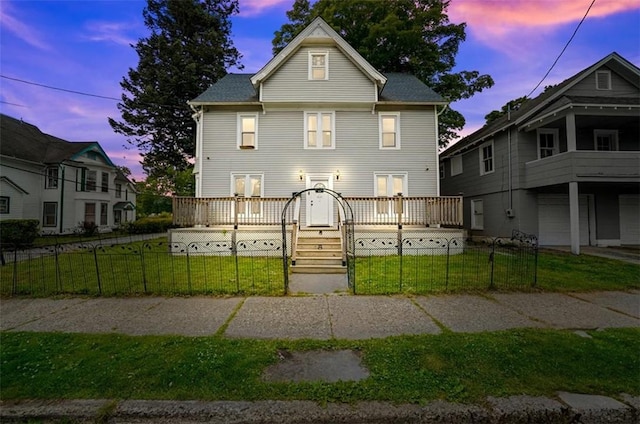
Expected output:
(231, 88)
(25, 141)
(407, 88)
(237, 88)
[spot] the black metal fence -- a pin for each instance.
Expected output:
(254, 267)
(431, 265)
(146, 267)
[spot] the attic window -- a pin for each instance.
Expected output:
(603, 80)
(318, 65)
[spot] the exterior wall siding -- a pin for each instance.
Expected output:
(346, 82)
(587, 87)
(280, 153)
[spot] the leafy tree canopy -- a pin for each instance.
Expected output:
(154, 194)
(412, 36)
(511, 105)
(189, 48)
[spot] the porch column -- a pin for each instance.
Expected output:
(571, 132)
(574, 215)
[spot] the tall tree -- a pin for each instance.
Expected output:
(510, 106)
(189, 48)
(413, 36)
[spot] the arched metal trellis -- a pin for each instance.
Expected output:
(346, 221)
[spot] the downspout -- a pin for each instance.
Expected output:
(62, 180)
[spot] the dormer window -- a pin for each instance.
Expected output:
(318, 65)
(603, 80)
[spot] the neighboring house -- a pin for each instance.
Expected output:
(62, 184)
(318, 114)
(565, 166)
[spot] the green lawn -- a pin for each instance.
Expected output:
(451, 366)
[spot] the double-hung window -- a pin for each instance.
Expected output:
(5, 202)
(90, 213)
(248, 189)
(118, 191)
(606, 140)
(547, 142)
(105, 182)
(49, 214)
(319, 131)
(389, 130)
(318, 65)
(387, 186)
(104, 208)
(51, 180)
(486, 158)
(91, 180)
(248, 130)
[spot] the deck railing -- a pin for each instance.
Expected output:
(396, 210)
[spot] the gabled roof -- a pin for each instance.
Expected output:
(318, 31)
(554, 96)
(237, 88)
(25, 141)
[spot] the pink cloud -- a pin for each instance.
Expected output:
(21, 30)
(110, 31)
(256, 7)
(508, 24)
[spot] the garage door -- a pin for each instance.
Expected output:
(630, 219)
(554, 224)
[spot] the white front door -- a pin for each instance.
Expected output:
(319, 210)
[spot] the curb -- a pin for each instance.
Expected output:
(569, 408)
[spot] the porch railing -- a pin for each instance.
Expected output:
(396, 210)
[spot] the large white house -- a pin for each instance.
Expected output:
(62, 184)
(317, 115)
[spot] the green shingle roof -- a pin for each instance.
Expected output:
(237, 88)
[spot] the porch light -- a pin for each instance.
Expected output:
(337, 174)
(301, 175)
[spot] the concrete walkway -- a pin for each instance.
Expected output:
(326, 316)
(322, 317)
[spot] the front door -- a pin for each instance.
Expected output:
(319, 211)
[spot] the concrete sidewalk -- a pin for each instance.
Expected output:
(322, 317)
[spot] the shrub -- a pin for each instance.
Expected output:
(87, 228)
(15, 232)
(151, 224)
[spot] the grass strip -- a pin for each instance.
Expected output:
(450, 366)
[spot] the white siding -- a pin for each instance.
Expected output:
(346, 83)
(281, 154)
(630, 219)
(554, 222)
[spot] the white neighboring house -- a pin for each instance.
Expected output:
(62, 184)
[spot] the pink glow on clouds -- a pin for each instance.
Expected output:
(15, 25)
(519, 24)
(256, 7)
(110, 31)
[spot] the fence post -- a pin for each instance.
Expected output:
(14, 287)
(235, 211)
(57, 263)
(446, 278)
(95, 258)
(142, 266)
(492, 261)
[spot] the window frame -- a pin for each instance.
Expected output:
(104, 182)
(240, 133)
(320, 130)
(556, 140)
(614, 141)
(5, 205)
(46, 223)
(86, 205)
(381, 117)
(384, 205)
(454, 165)
(311, 67)
(490, 159)
(90, 184)
(118, 191)
(607, 75)
(104, 214)
(51, 181)
(245, 209)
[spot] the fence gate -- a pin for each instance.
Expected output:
(345, 222)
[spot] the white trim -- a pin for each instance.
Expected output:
(239, 117)
(390, 193)
(598, 132)
(482, 159)
(319, 130)
(396, 116)
(607, 76)
(247, 177)
(324, 177)
(324, 53)
(556, 137)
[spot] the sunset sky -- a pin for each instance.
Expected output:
(84, 46)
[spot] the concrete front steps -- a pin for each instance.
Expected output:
(318, 252)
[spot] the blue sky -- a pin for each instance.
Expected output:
(85, 46)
